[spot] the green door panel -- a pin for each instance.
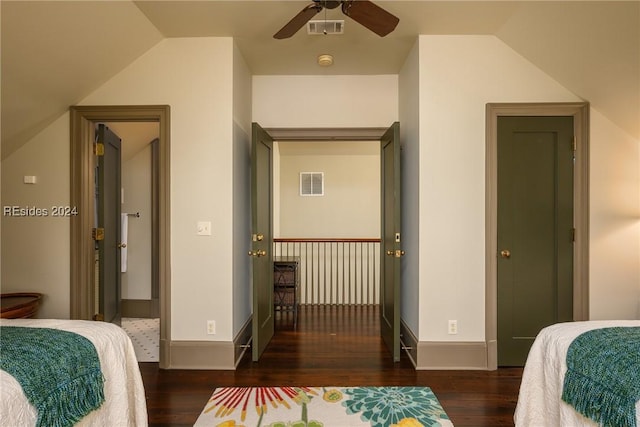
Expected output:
(391, 240)
(108, 198)
(261, 225)
(535, 224)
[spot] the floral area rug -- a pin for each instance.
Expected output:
(323, 407)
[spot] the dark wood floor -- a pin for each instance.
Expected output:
(337, 346)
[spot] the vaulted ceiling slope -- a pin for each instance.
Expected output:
(55, 53)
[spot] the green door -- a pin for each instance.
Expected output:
(262, 239)
(535, 230)
(108, 197)
(390, 245)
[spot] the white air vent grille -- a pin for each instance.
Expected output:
(325, 27)
(312, 183)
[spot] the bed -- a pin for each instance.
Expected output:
(540, 400)
(124, 402)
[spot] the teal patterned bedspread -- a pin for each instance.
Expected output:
(59, 372)
(603, 375)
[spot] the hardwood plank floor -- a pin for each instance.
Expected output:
(338, 346)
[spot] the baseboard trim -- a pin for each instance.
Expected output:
(445, 355)
(202, 355)
(409, 343)
(146, 309)
(242, 341)
(222, 355)
(165, 354)
(492, 355)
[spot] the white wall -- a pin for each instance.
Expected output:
(242, 89)
(325, 101)
(409, 107)
(136, 183)
(350, 206)
(458, 76)
(193, 76)
(35, 250)
(614, 222)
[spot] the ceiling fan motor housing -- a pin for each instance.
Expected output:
(364, 12)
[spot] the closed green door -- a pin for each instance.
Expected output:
(535, 230)
(262, 239)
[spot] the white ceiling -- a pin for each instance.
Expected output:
(55, 53)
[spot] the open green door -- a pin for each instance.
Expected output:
(262, 238)
(108, 233)
(391, 251)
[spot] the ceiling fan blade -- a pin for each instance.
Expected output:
(298, 21)
(371, 16)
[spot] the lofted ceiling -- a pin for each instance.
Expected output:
(55, 53)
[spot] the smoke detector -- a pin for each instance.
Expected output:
(325, 60)
(323, 27)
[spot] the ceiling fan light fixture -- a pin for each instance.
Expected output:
(325, 60)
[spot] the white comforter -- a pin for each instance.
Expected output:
(539, 402)
(125, 404)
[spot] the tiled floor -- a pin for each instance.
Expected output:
(145, 335)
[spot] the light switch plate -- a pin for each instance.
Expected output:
(204, 228)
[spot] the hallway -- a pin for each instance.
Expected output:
(336, 345)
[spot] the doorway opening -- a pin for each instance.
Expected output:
(326, 241)
(334, 234)
(326, 201)
(85, 298)
(139, 286)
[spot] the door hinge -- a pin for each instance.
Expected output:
(574, 144)
(573, 235)
(97, 233)
(98, 149)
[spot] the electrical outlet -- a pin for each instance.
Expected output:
(203, 228)
(453, 327)
(211, 327)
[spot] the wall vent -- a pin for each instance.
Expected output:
(312, 183)
(325, 27)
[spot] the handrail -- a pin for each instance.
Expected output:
(326, 239)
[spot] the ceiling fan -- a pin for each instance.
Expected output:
(364, 12)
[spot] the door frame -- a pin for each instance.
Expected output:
(580, 113)
(82, 295)
(278, 134)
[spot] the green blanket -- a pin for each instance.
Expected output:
(603, 375)
(59, 372)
